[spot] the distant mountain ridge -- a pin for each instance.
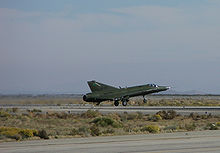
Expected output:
(190, 92)
(168, 92)
(41, 95)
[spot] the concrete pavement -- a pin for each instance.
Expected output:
(181, 142)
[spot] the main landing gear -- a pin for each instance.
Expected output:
(124, 102)
(116, 103)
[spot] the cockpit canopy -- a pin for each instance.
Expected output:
(152, 85)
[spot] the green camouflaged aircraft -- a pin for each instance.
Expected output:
(102, 92)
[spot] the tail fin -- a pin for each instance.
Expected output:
(96, 86)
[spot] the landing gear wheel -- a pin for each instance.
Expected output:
(124, 103)
(97, 104)
(116, 103)
(145, 100)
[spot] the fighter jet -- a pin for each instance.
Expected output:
(102, 92)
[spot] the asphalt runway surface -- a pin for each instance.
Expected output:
(74, 108)
(181, 142)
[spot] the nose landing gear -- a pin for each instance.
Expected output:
(124, 102)
(145, 100)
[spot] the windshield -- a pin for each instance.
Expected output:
(152, 85)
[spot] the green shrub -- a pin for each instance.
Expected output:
(190, 127)
(155, 118)
(9, 132)
(14, 110)
(16, 133)
(109, 131)
(36, 110)
(84, 131)
(167, 115)
(2, 137)
(195, 116)
(16, 137)
(132, 116)
(43, 134)
(74, 132)
(94, 130)
(62, 115)
(128, 128)
(114, 116)
(4, 114)
(171, 128)
(26, 133)
(204, 116)
(104, 122)
(140, 115)
(124, 117)
(91, 114)
(151, 129)
(35, 132)
(218, 123)
(211, 126)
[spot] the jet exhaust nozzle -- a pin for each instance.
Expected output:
(85, 98)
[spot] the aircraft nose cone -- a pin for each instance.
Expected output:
(167, 88)
(163, 88)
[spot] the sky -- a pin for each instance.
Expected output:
(54, 46)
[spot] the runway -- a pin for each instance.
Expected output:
(182, 142)
(74, 108)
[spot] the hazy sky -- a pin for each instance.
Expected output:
(54, 46)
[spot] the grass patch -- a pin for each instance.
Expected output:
(151, 129)
(105, 121)
(167, 115)
(155, 118)
(90, 114)
(18, 125)
(17, 133)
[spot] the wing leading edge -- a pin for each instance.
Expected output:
(96, 86)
